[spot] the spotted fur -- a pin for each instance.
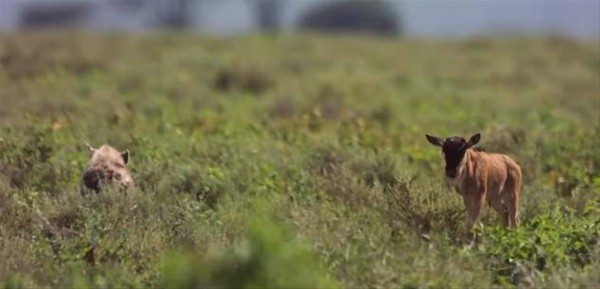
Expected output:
(106, 166)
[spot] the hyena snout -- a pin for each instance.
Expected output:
(94, 179)
(91, 179)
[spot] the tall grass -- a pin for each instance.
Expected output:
(293, 161)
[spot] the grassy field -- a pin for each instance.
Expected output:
(294, 161)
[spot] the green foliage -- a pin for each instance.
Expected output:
(547, 242)
(267, 257)
(328, 132)
(28, 163)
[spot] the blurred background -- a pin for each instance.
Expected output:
(414, 18)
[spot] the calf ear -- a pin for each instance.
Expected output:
(125, 156)
(436, 141)
(474, 140)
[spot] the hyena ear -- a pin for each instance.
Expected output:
(436, 141)
(474, 140)
(125, 156)
(91, 149)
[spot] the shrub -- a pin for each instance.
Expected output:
(546, 242)
(268, 257)
(420, 210)
(247, 77)
(353, 15)
(28, 162)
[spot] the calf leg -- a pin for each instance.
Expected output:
(502, 211)
(496, 202)
(473, 204)
(513, 212)
(510, 196)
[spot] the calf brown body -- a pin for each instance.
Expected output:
(107, 166)
(481, 178)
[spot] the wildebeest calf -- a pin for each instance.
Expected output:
(479, 177)
(107, 166)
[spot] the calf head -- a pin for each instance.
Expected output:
(107, 166)
(454, 149)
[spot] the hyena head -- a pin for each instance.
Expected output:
(107, 166)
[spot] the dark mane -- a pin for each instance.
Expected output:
(478, 149)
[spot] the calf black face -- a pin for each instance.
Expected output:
(454, 149)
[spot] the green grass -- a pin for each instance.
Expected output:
(294, 161)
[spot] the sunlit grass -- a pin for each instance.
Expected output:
(326, 133)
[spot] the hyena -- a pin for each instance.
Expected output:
(106, 166)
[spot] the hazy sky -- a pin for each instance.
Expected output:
(440, 18)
